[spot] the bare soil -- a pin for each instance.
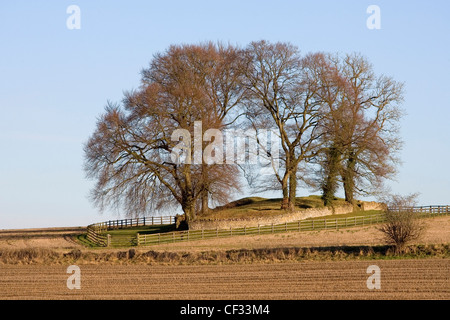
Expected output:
(117, 276)
(400, 279)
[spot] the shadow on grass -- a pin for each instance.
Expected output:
(132, 231)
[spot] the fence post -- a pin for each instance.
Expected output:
(161, 220)
(108, 240)
(217, 232)
(137, 238)
(144, 221)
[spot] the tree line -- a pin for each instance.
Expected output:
(335, 121)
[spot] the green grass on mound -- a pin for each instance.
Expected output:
(257, 206)
(126, 232)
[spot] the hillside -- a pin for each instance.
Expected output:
(253, 207)
(256, 206)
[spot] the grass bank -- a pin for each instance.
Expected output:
(236, 256)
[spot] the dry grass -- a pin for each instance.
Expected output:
(40, 238)
(132, 256)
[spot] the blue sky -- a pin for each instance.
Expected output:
(55, 82)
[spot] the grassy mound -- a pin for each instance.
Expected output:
(256, 206)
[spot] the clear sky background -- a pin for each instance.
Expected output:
(55, 82)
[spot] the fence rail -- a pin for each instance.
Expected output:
(302, 225)
(97, 232)
(96, 237)
(425, 209)
(136, 222)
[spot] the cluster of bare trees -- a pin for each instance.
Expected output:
(336, 123)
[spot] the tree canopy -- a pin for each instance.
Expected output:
(163, 144)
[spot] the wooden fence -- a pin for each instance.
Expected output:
(97, 232)
(298, 226)
(95, 236)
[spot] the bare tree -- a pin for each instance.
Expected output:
(323, 109)
(281, 96)
(361, 126)
(131, 153)
(402, 223)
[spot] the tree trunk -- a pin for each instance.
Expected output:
(189, 213)
(285, 190)
(330, 183)
(188, 200)
(349, 179)
(205, 187)
(205, 207)
(292, 189)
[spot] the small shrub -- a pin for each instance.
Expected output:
(402, 223)
(401, 228)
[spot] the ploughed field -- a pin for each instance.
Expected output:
(33, 265)
(399, 279)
